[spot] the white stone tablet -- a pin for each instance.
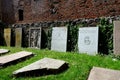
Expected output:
(88, 40)
(59, 39)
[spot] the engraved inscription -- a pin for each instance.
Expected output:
(88, 40)
(35, 38)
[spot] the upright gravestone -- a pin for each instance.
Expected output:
(88, 40)
(7, 36)
(116, 36)
(35, 37)
(59, 39)
(18, 37)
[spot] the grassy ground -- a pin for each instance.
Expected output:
(79, 65)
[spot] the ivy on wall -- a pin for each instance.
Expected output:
(72, 36)
(105, 36)
(105, 45)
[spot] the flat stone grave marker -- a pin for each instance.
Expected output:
(44, 66)
(3, 51)
(35, 37)
(88, 40)
(18, 37)
(9, 59)
(59, 39)
(103, 74)
(116, 37)
(7, 36)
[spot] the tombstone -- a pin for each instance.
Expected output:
(7, 36)
(13, 58)
(59, 39)
(103, 74)
(35, 37)
(3, 51)
(41, 67)
(18, 37)
(88, 40)
(116, 36)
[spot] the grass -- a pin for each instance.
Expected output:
(79, 64)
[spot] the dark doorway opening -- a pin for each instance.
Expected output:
(20, 12)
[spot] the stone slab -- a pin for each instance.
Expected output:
(4, 60)
(3, 51)
(7, 36)
(88, 40)
(18, 37)
(104, 74)
(35, 37)
(59, 39)
(116, 37)
(43, 66)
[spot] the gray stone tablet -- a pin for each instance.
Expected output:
(59, 39)
(3, 51)
(116, 36)
(7, 36)
(18, 37)
(88, 40)
(103, 74)
(35, 37)
(43, 67)
(8, 59)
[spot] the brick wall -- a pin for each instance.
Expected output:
(60, 10)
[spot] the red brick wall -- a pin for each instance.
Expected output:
(50, 10)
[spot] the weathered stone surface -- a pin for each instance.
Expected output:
(35, 37)
(2, 51)
(104, 74)
(7, 36)
(7, 59)
(18, 37)
(50, 10)
(59, 39)
(43, 67)
(88, 40)
(116, 37)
